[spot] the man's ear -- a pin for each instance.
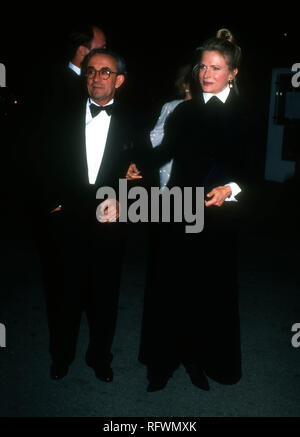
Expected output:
(83, 51)
(120, 80)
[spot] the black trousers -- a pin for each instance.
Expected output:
(191, 303)
(81, 266)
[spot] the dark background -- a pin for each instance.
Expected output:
(155, 39)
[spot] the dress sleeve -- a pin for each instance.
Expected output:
(157, 134)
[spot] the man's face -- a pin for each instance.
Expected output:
(99, 39)
(102, 90)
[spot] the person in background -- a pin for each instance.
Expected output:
(65, 85)
(183, 93)
(81, 41)
(55, 91)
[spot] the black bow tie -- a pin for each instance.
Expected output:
(96, 109)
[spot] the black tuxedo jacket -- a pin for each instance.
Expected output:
(49, 89)
(65, 88)
(61, 164)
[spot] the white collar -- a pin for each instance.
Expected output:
(74, 68)
(221, 95)
(90, 101)
(89, 117)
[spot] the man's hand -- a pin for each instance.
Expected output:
(218, 195)
(133, 173)
(108, 211)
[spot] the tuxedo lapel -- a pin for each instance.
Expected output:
(80, 142)
(111, 150)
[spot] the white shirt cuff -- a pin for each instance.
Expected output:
(235, 190)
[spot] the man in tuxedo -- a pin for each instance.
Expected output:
(65, 85)
(80, 42)
(56, 84)
(84, 150)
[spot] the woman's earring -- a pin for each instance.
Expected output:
(230, 83)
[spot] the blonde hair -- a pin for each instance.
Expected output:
(225, 34)
(224, 43)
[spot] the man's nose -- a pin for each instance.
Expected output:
(98, 76)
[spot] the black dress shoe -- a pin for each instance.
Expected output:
(158, 378)
(103, 372)
(58, 371)
(200, 381)
(157, 383)
(197, 376)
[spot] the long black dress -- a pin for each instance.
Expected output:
(191, 313)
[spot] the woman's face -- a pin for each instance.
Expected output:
(214, 72)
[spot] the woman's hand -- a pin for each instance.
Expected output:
(133, 173)
(218, 195)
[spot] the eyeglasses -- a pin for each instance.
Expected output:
(104, 73)
(203, 67)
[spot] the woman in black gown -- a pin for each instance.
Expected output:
(191, 314)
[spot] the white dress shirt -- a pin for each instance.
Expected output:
(74, 68)
(96, 130)
(222, 95)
